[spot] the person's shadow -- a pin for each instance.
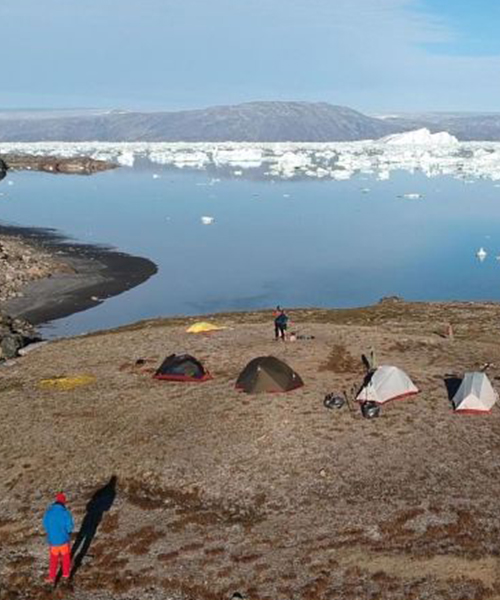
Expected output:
(101, 502)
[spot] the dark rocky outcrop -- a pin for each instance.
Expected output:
(3, 169)
(80, 165)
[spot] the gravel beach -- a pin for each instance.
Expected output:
(45, 277)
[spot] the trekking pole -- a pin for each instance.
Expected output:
(352, 410)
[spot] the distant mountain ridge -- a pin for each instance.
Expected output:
(248, 122)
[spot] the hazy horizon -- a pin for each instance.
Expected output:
(131, 109)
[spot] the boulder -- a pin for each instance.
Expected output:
(3, 169)
(10, 345)
(15, 334)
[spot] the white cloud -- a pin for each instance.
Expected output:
(371, 54)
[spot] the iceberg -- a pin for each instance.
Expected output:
(481, 254)
(420, 137)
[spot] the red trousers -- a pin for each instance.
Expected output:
(63, 554)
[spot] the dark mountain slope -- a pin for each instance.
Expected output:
(252, 122)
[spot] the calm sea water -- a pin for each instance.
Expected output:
(294, 243)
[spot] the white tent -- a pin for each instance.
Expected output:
(387, 383)
(475, 394)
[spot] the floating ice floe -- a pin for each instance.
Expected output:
(126, 159)
(481, 254)
(383, 175)
(413, 196)
(156, 176)
(207, 220)
(286, 166)
(248, 158)
(418, 151)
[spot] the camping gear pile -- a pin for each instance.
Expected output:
(380, 385)
(370, 410)
(334, 401)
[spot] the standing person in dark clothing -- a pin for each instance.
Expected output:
(280, 325)
(58, 524)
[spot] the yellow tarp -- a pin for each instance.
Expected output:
(66, 383)
(203, 327)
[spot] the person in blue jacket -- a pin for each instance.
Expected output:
(280, 324)
(58, 524)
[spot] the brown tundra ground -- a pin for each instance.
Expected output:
(272, 496)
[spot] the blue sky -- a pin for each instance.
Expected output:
(373, 55)
(473, 25)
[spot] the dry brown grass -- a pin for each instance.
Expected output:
(340, 360)
(273, 496)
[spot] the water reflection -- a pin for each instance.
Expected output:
(294, 243)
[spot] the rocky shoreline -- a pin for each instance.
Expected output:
(44, 277)
(78, 165)
(20, 264)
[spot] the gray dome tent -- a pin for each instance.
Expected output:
(183, 367)
(268, 374)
